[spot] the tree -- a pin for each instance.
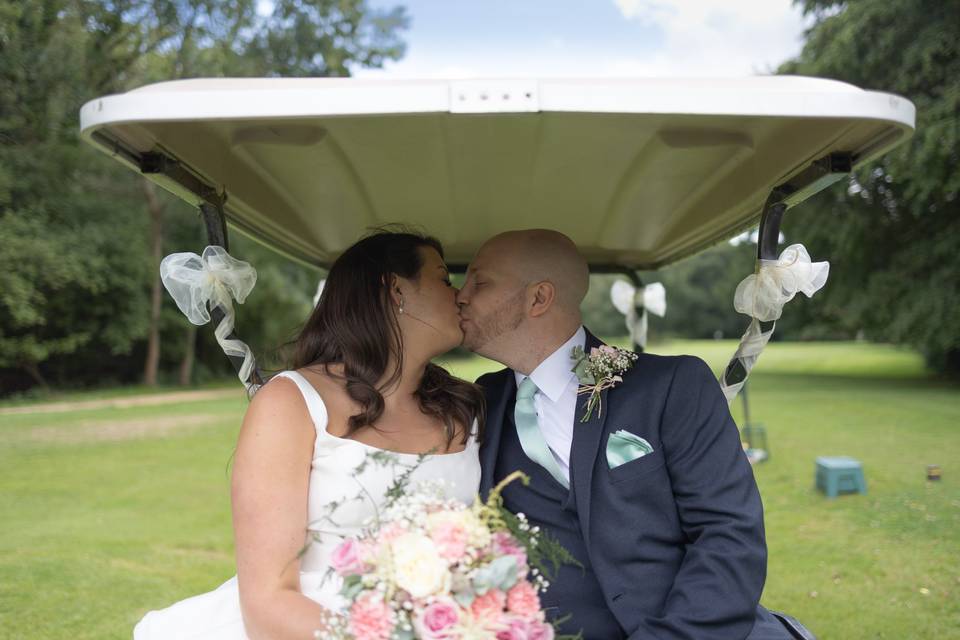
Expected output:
(893, 232)
(75, 269)
(324, 38)
(69, 276)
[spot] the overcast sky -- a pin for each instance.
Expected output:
(649, 38)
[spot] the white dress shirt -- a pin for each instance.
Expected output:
(556, 398)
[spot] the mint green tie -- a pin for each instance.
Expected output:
(531, 439)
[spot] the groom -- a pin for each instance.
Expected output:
(652, 494)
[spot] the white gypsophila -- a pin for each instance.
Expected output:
(428, 495)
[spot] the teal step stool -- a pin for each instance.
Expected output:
(840, 474)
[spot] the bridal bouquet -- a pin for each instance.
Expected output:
(432, 568)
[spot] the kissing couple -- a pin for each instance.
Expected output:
(644, 481)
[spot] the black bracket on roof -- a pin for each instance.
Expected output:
(167, 170)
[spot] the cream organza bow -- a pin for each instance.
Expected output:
(627, 298)
(214, 279)
(762, 295)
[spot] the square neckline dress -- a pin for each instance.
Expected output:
(216, 615)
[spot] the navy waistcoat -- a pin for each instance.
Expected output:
(547, 504)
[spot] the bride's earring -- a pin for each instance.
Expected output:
(401, 304)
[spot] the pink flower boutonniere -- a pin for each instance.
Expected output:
(599, 370)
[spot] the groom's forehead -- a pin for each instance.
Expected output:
(489, 256)
(489, 268)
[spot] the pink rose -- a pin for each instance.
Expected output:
(516, 629)
(371, 618)
(522, 600)
(607, 349)
(437, 620)
(489, 606)
(505, 544)
(450, 538)
(594, 352)
(540, 631)
(347, 558)
(521, 629)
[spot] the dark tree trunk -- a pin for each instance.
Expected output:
(33, 370)
(189, 351)
(952, 363)
(155, 209)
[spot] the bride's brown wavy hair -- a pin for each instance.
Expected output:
(354, 324)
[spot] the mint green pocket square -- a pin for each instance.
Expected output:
(623, 446)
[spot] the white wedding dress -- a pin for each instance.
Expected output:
(333, 476)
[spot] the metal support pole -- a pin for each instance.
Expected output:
(216, 226)
(767, 241)
(174, 176)
(746, 409)
(215, 223)
(641, 311)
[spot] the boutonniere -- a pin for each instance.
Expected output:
(599, 370)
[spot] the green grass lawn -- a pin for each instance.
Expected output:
(107, 513)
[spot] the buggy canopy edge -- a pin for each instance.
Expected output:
(639, 172)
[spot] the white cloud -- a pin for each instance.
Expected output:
(715, 37)
(698, 38)
(637, 8)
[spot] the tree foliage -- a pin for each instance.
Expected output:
(75, 270)
(893, 232)
(71, 270)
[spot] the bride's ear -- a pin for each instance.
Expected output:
(394, 289)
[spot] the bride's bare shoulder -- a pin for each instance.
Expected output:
(277, 432)
(280, 401)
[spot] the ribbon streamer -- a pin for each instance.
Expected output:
(215, 279)
(762, 296)
(751, 344)
(627, 299)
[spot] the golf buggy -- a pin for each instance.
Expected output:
(639, 173)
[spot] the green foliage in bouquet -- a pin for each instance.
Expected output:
(544, 553)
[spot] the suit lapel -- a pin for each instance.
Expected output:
(496, 414)
(583, 452)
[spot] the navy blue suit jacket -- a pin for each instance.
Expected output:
(675, 537)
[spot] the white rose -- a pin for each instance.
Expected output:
(417, 567)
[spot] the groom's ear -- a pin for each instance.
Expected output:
(544, 295)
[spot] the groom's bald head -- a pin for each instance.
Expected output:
(535, 255)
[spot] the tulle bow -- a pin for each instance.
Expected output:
(214, 279)
(762, 295)
(627, 299)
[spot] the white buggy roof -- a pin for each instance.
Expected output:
(639, 172)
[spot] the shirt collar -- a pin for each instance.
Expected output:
(554, 374)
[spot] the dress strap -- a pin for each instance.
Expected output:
(318, 410)
(474, 438)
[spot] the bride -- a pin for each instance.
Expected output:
(361, 383)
